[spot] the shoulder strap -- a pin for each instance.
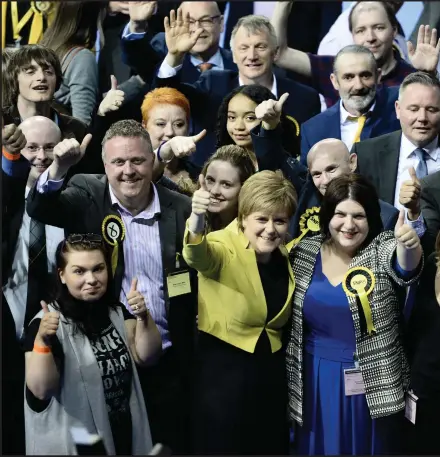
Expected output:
(69, 57)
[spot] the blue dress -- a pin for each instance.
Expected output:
(334, 424)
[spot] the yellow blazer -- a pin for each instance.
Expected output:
(232, 305)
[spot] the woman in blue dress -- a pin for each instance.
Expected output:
(346, 316)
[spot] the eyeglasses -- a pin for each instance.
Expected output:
(84, 238)
(46, 149)
(206, 22)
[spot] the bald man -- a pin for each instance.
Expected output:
(327, 160)
(21, 285)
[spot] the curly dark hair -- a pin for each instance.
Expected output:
(258, 94)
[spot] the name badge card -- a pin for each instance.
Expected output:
(178, 284)
(353, 382)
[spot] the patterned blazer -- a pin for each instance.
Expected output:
(381, 356)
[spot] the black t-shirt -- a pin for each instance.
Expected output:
(113, 358)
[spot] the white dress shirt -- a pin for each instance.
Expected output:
(349, 126)
(167, 71)
(274, 88)
(407, 159)
(15, 289)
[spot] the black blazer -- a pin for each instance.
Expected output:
(207, 93)
(82, 207)
(430, 205)
(378, 160)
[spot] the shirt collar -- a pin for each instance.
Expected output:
(407, 147)
(216, 60)
(148, 213)
(274, 89)
(344, 114)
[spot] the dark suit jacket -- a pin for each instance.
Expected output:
(82, 207)
(430, 204)
(207, 93)
(378, 160)
(328, 125)
(311, 197)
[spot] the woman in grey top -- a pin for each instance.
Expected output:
(81, 352)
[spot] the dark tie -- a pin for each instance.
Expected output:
(37, 272)
(422, 168)
(205, 66)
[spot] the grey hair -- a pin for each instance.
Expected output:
(419, 77)
(127, 128)
(253, 24)
(355, 49)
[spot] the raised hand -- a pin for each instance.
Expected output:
(118, 7)
(13, 139)
(183, 146)
(201, 198)
(426, 55)
(66, 154)
(48, 325)
(113, 100)
(178, 37)
(136, 302)
(140, 13)
(409, 195)
(270, 111)
(404, 234)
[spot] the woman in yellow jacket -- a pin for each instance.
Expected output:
(245, 289)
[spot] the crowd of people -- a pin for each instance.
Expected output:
(233, 249)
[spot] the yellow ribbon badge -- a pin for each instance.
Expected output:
(308, 222)
(359, 282)
(113, 232)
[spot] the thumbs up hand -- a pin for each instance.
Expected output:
(182, 146)
(13, 140)
(136, 302)
(404, 234)
(269, 112)
(113, 100)
(201, 198)
(48, 325)
(409, 195)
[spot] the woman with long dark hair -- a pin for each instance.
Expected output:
(81, 351)
(72, 36)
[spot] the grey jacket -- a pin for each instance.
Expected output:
(80, 401)
(79, 89)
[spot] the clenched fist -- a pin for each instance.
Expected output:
(13, 139)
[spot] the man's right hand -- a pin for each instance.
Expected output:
(409, 195)
(140, 14)
(178, 37)
(13, 140)
(66, 154)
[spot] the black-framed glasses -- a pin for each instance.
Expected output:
(204, 22)
(84, 238)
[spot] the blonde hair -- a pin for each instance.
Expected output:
(267, 192)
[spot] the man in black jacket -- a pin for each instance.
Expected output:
(143, 224)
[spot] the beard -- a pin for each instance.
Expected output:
(360, 104)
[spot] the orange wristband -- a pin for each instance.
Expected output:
(10, 156)
(42, 349)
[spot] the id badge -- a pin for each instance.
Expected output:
(353, 382)
(411, 407)
(178, 283)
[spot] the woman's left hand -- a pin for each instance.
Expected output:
(136, 302)
(405, 235)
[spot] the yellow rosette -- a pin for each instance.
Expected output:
(113, 232)
(359, 282)
(308, 222)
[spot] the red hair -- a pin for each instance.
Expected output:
(164, 95)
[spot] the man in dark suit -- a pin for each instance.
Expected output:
(362, 112)
(205, 54)
(406, 156)
(430, 207)
(254, 49)
(328, 159)
(143, 225)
